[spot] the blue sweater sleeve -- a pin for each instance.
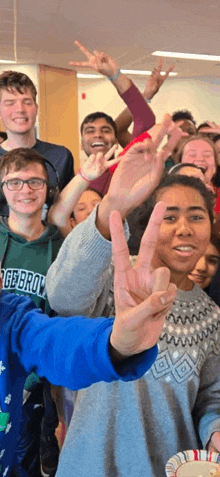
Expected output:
(71, 352)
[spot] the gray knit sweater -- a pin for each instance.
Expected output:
(131, 429)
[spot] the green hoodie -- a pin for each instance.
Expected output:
(25, 264)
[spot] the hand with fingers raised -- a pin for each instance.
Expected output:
(156, 79)
(98, 61)
(97, 164)
(171, 129)
(212, 128)
(143, 296)
(139, 171)
(137, 175)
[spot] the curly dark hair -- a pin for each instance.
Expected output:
(183, 114)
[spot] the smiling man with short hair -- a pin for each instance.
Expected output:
(98, 133)
(18, 112)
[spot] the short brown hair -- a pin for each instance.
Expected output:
(14, 81)
(20, 158)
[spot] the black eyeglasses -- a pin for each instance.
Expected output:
(36, 183)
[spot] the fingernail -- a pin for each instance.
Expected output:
(167, 298)
(163, 299)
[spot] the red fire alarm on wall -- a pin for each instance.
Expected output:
(83, 95)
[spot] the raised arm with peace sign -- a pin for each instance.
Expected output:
(98, 61)
(104, 64)
(156, 79)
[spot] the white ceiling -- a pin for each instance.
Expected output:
(129, 30)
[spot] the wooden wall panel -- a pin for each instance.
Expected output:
(58, 108)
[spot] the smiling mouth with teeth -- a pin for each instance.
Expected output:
(26, 201)
(184, 248)
(20, 119)
(95, 144)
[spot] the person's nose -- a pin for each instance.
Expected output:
(183, 227)
(98, 133)
(201, 266)
(200, 159)
(20, 107)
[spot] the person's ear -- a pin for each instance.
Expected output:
(72, 222)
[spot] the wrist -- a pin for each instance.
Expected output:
(148, 97)
(120, 351)
(83, 176)
(102, 218)
(79, 183)
(115, 76)
(115, 355)
(122, 83)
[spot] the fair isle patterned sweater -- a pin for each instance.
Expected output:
(132, 429)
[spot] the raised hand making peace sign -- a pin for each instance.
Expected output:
(98, 61)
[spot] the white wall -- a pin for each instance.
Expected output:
(201, 97)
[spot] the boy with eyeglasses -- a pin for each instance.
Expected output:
(27, 245)
(27, 248)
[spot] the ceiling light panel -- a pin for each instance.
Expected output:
(188, 56)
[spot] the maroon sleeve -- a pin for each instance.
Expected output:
(143, 116)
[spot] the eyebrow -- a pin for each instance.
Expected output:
(80, 203)
(5, 101)
(84, 203)
(104, 126)
(88, 127)
(193, 207)
(195, 149)
(19, 178)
